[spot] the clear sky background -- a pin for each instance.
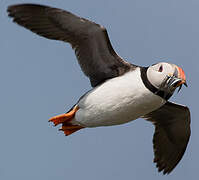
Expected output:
(41, 78)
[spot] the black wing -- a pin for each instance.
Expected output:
(172, 132)
(90, 41)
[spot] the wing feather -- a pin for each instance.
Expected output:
(172, 132)
(91, 43)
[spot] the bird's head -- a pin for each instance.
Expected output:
(166, 77)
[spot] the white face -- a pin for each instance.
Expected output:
(158, 75)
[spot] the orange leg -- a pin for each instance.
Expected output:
(64, 117)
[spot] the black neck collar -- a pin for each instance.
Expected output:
(149, 86)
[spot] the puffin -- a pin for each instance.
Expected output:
(121, 92)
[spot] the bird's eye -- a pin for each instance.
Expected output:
(160, 69)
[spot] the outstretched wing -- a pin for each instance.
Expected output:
(90, 41)
(172, 132)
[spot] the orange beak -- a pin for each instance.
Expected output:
(181, 75)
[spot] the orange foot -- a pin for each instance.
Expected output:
(69, 128)
(64, 117)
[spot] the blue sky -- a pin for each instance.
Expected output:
(41, 78)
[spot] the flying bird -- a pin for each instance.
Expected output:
(122, 91)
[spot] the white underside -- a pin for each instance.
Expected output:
(117, 101)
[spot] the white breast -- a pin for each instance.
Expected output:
(117, 101)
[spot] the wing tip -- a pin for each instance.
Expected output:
(21, 7)
(162, 167)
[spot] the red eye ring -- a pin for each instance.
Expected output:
(160, 69)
